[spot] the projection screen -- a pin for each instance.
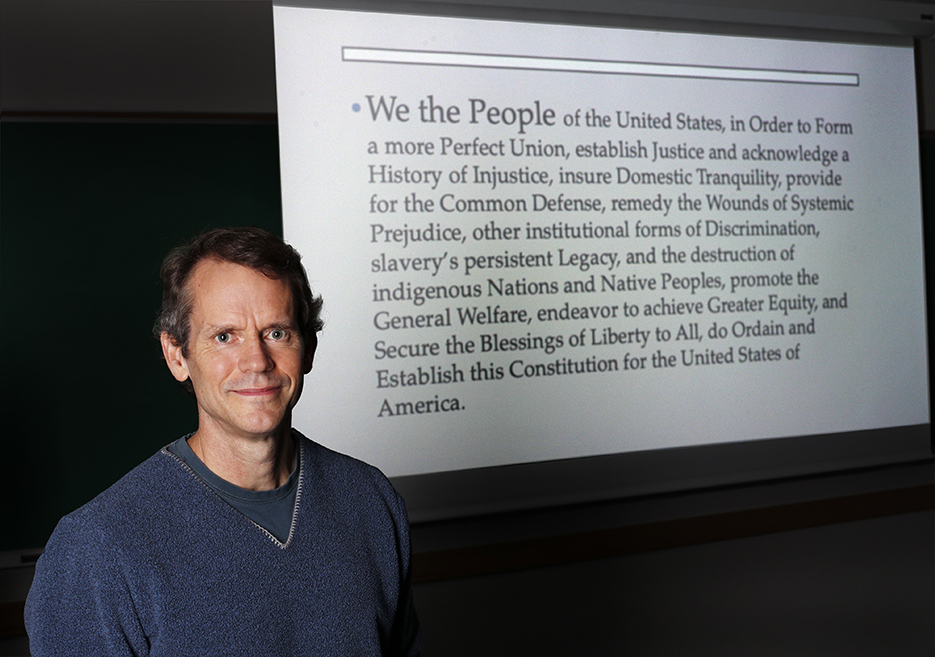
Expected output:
(546, 243)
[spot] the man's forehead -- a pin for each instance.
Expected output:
(215, 281)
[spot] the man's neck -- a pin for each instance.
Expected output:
(250, 463)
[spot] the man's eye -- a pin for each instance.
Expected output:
(223, 337)
(277, 334)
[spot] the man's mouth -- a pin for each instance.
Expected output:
(258, 391)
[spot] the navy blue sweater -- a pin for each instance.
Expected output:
(159, 565)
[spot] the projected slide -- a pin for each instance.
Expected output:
(542, 242)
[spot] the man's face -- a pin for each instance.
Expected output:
(245, 356)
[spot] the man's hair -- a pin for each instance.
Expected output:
(247, 246)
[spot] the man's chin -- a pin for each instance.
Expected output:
(261, 425)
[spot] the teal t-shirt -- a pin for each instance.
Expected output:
(270, 509)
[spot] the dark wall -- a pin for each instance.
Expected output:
(88, 212)
(853, 589)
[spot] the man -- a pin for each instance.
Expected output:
(245, 537)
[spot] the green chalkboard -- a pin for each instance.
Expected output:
(87, 212)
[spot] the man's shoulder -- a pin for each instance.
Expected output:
(142, 491)
(326, 457)
(344, 474)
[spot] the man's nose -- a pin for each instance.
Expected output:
(254, 356)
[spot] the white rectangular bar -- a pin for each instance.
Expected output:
(482, 60)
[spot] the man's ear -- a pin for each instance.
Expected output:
(174, 358)
(309, 356)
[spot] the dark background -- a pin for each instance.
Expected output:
(89, 210)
